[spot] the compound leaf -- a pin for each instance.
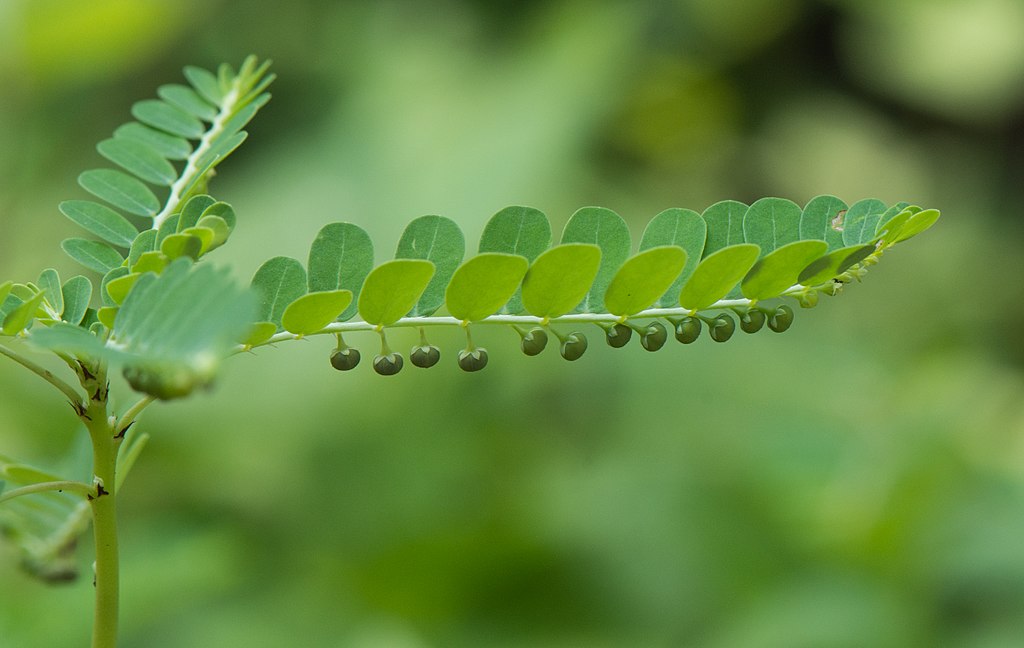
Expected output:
(339, 259)
(277, 283)
(392, 289)
(92, 254)
(483, 284)
(643, 279)
(313, 311)
(771, 223)
(101, 221)
(717, 274)
(439, 240)
(779, 270)
(138, 159)
(684, 228)
(605, 229)
(560, 278)
(120, 190)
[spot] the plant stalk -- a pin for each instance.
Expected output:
(104, 518)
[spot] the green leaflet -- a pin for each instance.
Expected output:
(889, 214)
(19, 318)
(820, 218)
(779, 270)
(643, 279)
(482, 285)
(151, 262)
(92, 254)
(193, 211)
(221, 149)
(49, 282)
(834, 264)
(439, 240)
(138, 159)
(219, 227)
(339, 259)
(716, 275)
(117, 288)
(560, 278)
(517, 230)
(605, 229)
(313, 311)
(684, 228)
(76, 292)
(5, 289)
(259, 333)
(167, 228)
(115, 273)
(861, 220)
(188, 100)
(167, 118)
(205, 84)
(725, 225)
(143, 243)
(771, 223)
(101, 221)
(168, 146)
(916, 224)
(205, 236)
(392, 289)
(277, 283)
(181, 245)
(120, 190)
(221, 210)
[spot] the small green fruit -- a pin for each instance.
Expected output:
(752, 321)
(688, 330)
(781, 319)
(345, 359)
(574, 346)
(809, 299)
(534, 341)
(654, 337)
(473, 359)
(389, 364)
(722, 328)
(425, 356)
(618, 336)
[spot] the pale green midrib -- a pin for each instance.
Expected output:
(188, 174)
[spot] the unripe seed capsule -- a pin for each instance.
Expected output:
(389, 364)
(573, 347)
(752, 320)
(534, 341)
(781, 319)
(425, 356)
(809, 299)
(618, 336)
(345, 359)
(722, 328)
(654, 337)
(688, 329)
(473, 359)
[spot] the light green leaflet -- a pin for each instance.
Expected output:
(820, 219)
(193, 211)
(218, 226)
(916, 223)
(517, 230)
(222, 210)
(143, 243)
(484, 284)
(771, 223)
(76, 291)
(716, 275)
(92, 254)
(138, 159)
(861, 220)
(167, 118)
(120, 190)
(176, 246)
(115, 273)
(277, 283)
(339, 259)
(168, 146)
(313, 311)
(605, 229)
(560, 278)
(834, 264)
(20, 317)
(889, 214)
(205, 236)
(49, 282)
(684, 228)
(101, 221)
(725, 225)
(259, 333)
(392, 289)
(643, 279)
(118, 288)
(439, 240)
(151, 262)
(779, 270)
(186, 98)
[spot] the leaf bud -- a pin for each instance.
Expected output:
(573, 347)
(388, 364)
(345, 359)
(722, 328)
(752, 321)
(618, 336)
(534, 341)
(688, 329)
(654, 337)
(781, 319)
(473, 359)
(425, 356)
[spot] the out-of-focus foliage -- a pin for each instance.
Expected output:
(859, 483)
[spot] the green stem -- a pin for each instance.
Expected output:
(104, 517)
(78, 488)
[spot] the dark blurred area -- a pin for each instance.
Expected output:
(857, 481)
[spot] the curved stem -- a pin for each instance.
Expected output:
(45, 374)
(78, 488)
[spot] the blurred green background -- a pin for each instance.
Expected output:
(858, 481)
